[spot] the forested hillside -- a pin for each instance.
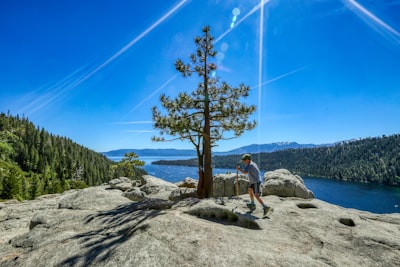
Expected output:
(375, 160)
(34, 162)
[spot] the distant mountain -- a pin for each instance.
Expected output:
(192, 153)
(266, 148)
(369, 160)
(151, 152)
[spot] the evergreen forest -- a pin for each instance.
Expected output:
(370, 160)
(34, 162)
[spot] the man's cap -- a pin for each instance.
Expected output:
(246, 156)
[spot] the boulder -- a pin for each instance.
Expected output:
(125, 184)
(91, 199)
(157, 188)
(182, 193)
(283, 183)
(119, 180)
(147, 187)
(135, 194)
(187, 182)
(224, 185)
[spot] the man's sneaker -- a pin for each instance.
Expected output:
(266, 209)
(251, 206)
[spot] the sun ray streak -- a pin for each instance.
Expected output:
(375, 23)
(155, 92)
(252, 11)
(134, 41)
(51, 93)
(260, 69)
(69, 84)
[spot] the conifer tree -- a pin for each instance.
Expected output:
(205, 115)
(130, 163)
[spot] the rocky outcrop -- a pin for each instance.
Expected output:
(188, 183)
(100, 227)
(148, 187)
(125, 184)
(222, 212)
(135, 194)
(279, 182)
(182, 193)
(283, 183)
(156, 187)
(224, 185)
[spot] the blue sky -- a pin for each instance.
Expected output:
(320, 71)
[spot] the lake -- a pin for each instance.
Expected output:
(361, 196)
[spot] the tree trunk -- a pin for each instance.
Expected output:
(205, 187)
(208, 178)
(200, 185)
(207, 167)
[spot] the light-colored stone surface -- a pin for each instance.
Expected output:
(187, 182)
(213, 232)
(157, 188)
(283, 183)
(279, 182)
(224, 185)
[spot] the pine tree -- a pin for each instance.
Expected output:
(129, 166)
(207, 114)
(11, 180)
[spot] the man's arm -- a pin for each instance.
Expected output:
(244, 171)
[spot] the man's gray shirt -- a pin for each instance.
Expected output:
(254, 173)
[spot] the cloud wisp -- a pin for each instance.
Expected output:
(136, 132)
(131, 122)
(279, 77)
(141, 131)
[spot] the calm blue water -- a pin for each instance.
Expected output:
(367, 197)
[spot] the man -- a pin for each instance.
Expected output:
(253, 172)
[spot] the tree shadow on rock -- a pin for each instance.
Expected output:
(114, 227)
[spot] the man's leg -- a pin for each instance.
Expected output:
(257, 195)
(259, 199)
(251, 194)
(251, 205)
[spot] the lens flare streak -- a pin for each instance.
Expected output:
(219, 38)
(134, 41)
(255, 9)
(70, 84)
(373, 21)
(154, 92)
(260, 69)
(53, 93)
